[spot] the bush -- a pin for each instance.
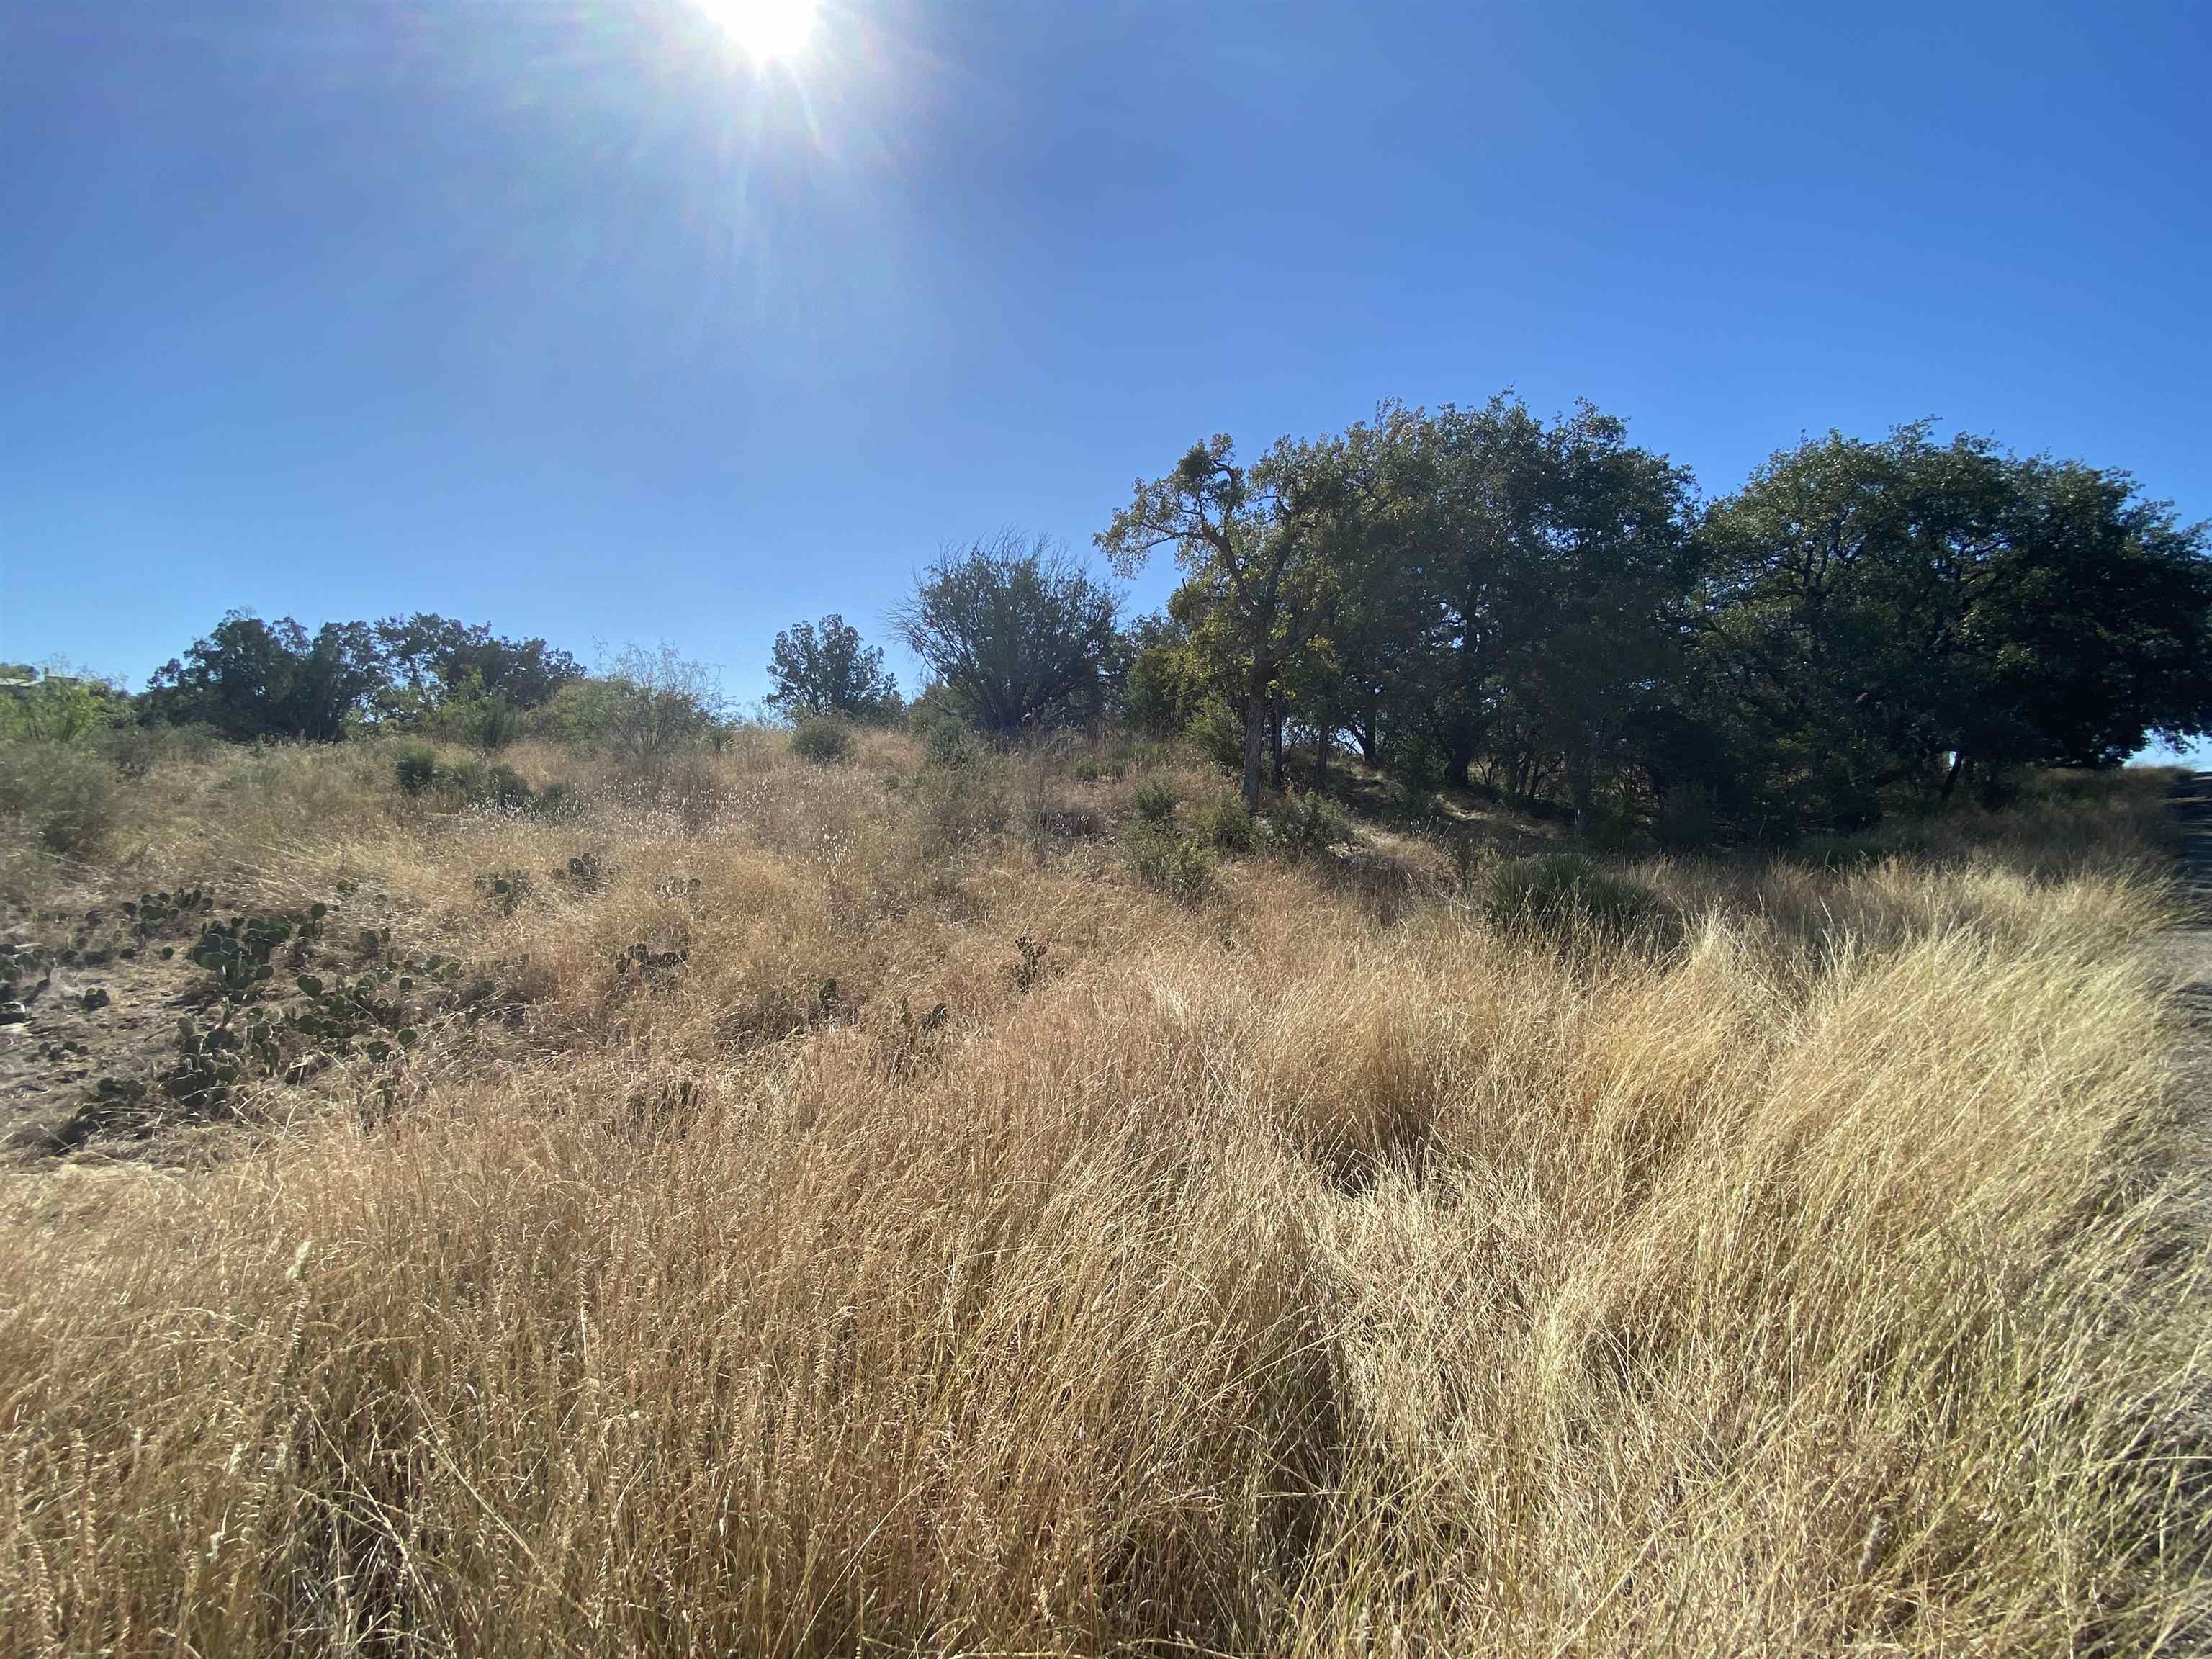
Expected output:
(1309, 822)
(503, 786)
(1688, 820)
(68, 794)
(1157, 800)
(947, 744)
(416, 769)
(1169, 864)
(1564, 893)
(820, 739)
(1226, 823)
(558, 799)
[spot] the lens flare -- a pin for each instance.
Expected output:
(771, 31)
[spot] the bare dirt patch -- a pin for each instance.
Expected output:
(90, 1000)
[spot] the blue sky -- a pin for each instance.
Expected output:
(568, 315)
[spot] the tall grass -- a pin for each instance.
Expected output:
(1275, 1274)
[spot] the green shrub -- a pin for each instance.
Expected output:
(504, 787)
(69, 794)
(1226, 823)
(1564, 893)
(946, 744)
(963, 800)
(1157, 800)
(558, 799)
(416, 769)
(1309, 822)
(820, 739)
(1169, 864)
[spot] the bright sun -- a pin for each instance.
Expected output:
(772, 30)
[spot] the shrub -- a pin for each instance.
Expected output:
(947, 744)
(558, 799)
(1169, 864)
(1226, 823)
(503, 786)
(1309, 822)
(820, 739)
(1564, 893)
(416, 769)
(69, 794)
(1157, 800)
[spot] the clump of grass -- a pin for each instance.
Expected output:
(820, 739)
(1566, 893)
(1157, 798)
(1169, 863)
(415, 768)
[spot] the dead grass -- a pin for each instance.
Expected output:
(1301, 1273)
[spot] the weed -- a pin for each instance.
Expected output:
(1168, 863)
(1564, 893)
(1157, 799)
(821, 739)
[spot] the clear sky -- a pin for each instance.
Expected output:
(576, 317)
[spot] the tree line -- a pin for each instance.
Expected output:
(1550, 610)
(1466, 598)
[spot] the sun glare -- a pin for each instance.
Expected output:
(771, 31)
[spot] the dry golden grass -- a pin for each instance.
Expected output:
(1314, 1270)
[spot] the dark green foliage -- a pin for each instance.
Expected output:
(1566, 894)
(376, 1011)
(1481, 596)
(504, 787)
(1157, 799)
(1306, 823)
(821, 739)
(1018, 635)
(250, 679)
(433, 663)
(824, 669)
(1225, 823)
(1169, 863)
(417, 768)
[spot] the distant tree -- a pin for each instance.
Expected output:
(434, 657)
(1261, 550)
(655, 702)
(823, 668)
(1016, 633)
(250, 679)
(1902, 612)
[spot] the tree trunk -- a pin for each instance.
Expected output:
(1255, 743)
(1459, 755)
(1951, 777)
(1275, 740)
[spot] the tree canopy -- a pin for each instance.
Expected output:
(1018, 633)
(823, 668)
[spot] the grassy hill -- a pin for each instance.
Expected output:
(929, 1200)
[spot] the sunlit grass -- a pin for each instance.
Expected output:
(1314, 1268)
